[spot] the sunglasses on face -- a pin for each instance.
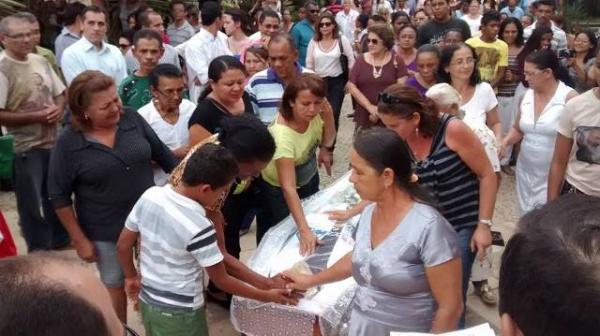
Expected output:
(373, 41)
(272, 26)
(314, 11)
(124, 46)
(325, 24)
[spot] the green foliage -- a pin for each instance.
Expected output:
(580, 11)
(575, 15)
(8, 7)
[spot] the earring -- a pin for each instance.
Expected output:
(414, 178)
(86, 117)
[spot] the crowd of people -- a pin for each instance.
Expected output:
(151, 156)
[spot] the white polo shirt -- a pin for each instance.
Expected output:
(83, 55)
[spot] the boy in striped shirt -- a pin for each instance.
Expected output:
(177, 241)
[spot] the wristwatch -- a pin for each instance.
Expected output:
(487, 222)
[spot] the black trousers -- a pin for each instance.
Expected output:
(274, 208)
(335, 95)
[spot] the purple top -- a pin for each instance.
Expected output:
(412, 66)
(412, 82)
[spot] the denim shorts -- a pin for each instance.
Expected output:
(108, 265)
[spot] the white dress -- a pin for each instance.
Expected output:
(476, 109)
(537, 148)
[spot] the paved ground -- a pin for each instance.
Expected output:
(504, 220)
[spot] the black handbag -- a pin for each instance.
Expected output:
(343, 60)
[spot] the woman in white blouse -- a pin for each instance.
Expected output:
(324, 58)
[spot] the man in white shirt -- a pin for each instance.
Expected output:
(168, 114)
(346, 20)
(544, 9)
(205, 46)
(152, 20)
(91, 52)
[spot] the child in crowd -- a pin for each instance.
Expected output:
(492, 53)
(178, 241)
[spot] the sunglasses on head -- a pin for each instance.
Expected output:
(389, 99)
(325, 24)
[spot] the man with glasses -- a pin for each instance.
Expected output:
(32, 101)
(91, 52)
(147, 49)
(433, 31)
(168, 113)
(36, 38)
(303, 31)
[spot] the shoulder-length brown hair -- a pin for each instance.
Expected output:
(385, 33)
(406, 101)
(306, 81)
(336, 29)
(81, 93)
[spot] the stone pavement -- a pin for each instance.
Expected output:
(505, 217)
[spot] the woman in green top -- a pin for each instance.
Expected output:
(304, 122)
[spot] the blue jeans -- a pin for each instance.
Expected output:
(467, 258)
(40, 226)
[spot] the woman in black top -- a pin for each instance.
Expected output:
(104, 159)
(225, 97)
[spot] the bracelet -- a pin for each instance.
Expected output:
(487, 222)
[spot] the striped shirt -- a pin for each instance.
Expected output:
(266, 90)
(177, 241)
(507, 89)
(450, 181)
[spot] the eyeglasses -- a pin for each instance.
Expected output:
(325, 24)
(373, 41)
(128, 331)
(170, 93)
(21, 36)
(272, 26)
(462, 62)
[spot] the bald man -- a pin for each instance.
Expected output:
(50, 294)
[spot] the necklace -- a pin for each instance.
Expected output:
(170, 118)
(377, 72)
